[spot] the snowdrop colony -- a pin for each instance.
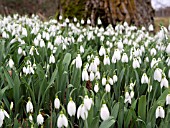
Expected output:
(67, 74)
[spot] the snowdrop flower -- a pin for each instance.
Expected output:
(153, 52)
(124, 58)
(116, 56)
(57, 103)
(158, 74)
(40, 119)
(102, 51)
(11, 63)
(99, 22)
(132, 94)
(52, 59)
(93, 66)
(96, 60)
(82, 112)
(169, 73)
(120, 45)
(110, 80)
(91, 76)
(78, 61)
(144, 79)
(96, 87)
(104, 112)
(29, 106)
(136, 63)
(97, 75)
(88, 21)
(160, 112)
(19, 50)
(87, 102)
(168, 99)
(107, 88)
(103, 81)
(30, 118)
(149, 88)
(42, 43)
(127, 98)
(151, 28)
(115, 78)
(106, 60)
(62, 121)
(164, 82)
(71, 108)
(81, 49)
(85, 76)
(154, 62)
(168, 49)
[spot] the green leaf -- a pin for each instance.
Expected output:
(115, 110)
(108, 123)
(67, 59)
(142, 107)
(95, 122)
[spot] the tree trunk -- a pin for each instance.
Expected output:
(137, 12)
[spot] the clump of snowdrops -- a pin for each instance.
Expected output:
(62, 73)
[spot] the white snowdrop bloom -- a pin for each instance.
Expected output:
(115, 78)
(93, 66)
(85, 76)
(96, 87)
(131, 86)
(164, 82)
(149, 88)
(104, 112)
(102, 51)
(30, 118)
(96, 60)
(168, 49)
(19, 50)
(2, 116)
(153, 52)
(39, 36)
(88, 21)
(40, 119)
(24, 32)
(75, 19)
(31, 52)
(103, 81)
(168, 61)
(154, 62)
(158, 74)
(60, 17)
(107, 88)
(29, 106)
(78, 61)
(151, 28)
(120, 45)
(97, 75)
(50, 46)
(62, 121)
(87, 102)
(127, 98)
(91, 76)
(110, 80)
(144, 79)
(52, 59)
(116, 55)
(82, 112)
(169, 73)
(168, 99)
(71, 108)
(160, 112)
(124, 58)
(132, 94)
(136, 63)
(57, 103)
(82, 21)
(99, 22)
(81, 49)
(106, 60)
(147, 59)
(11, 63)
(47, 36)
(42, 43)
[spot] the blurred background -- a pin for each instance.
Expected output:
(138, 12)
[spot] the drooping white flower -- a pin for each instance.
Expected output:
(104, 112)
(136, 63)
(52, 59)
(106, 60)
(29, 106)
(97, 75)
(81, 49)
(124, 58)
(91, 76)
(127, 97)
(11, 63)
(158, 74)
(57, 103)
(168, 49)
(96, 87)
(82, 112)
(62, 121)
(78, 61)
(85, 76)
(93, 66)
(164, 82)
(2, 116)
(96, 60)
(168, 99)
(30, 118)
(110, 80)
(40, 119)
(132, 94)
(115, 78)
(131, 86)
(144, 79)
(102, 51)
(71, 108)
(103, 81)
(154, 62)
(19, 50)
(160, 112)
(87, 102)
(153, 52)
(151, 28)
(107, 88)
(116, 56)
